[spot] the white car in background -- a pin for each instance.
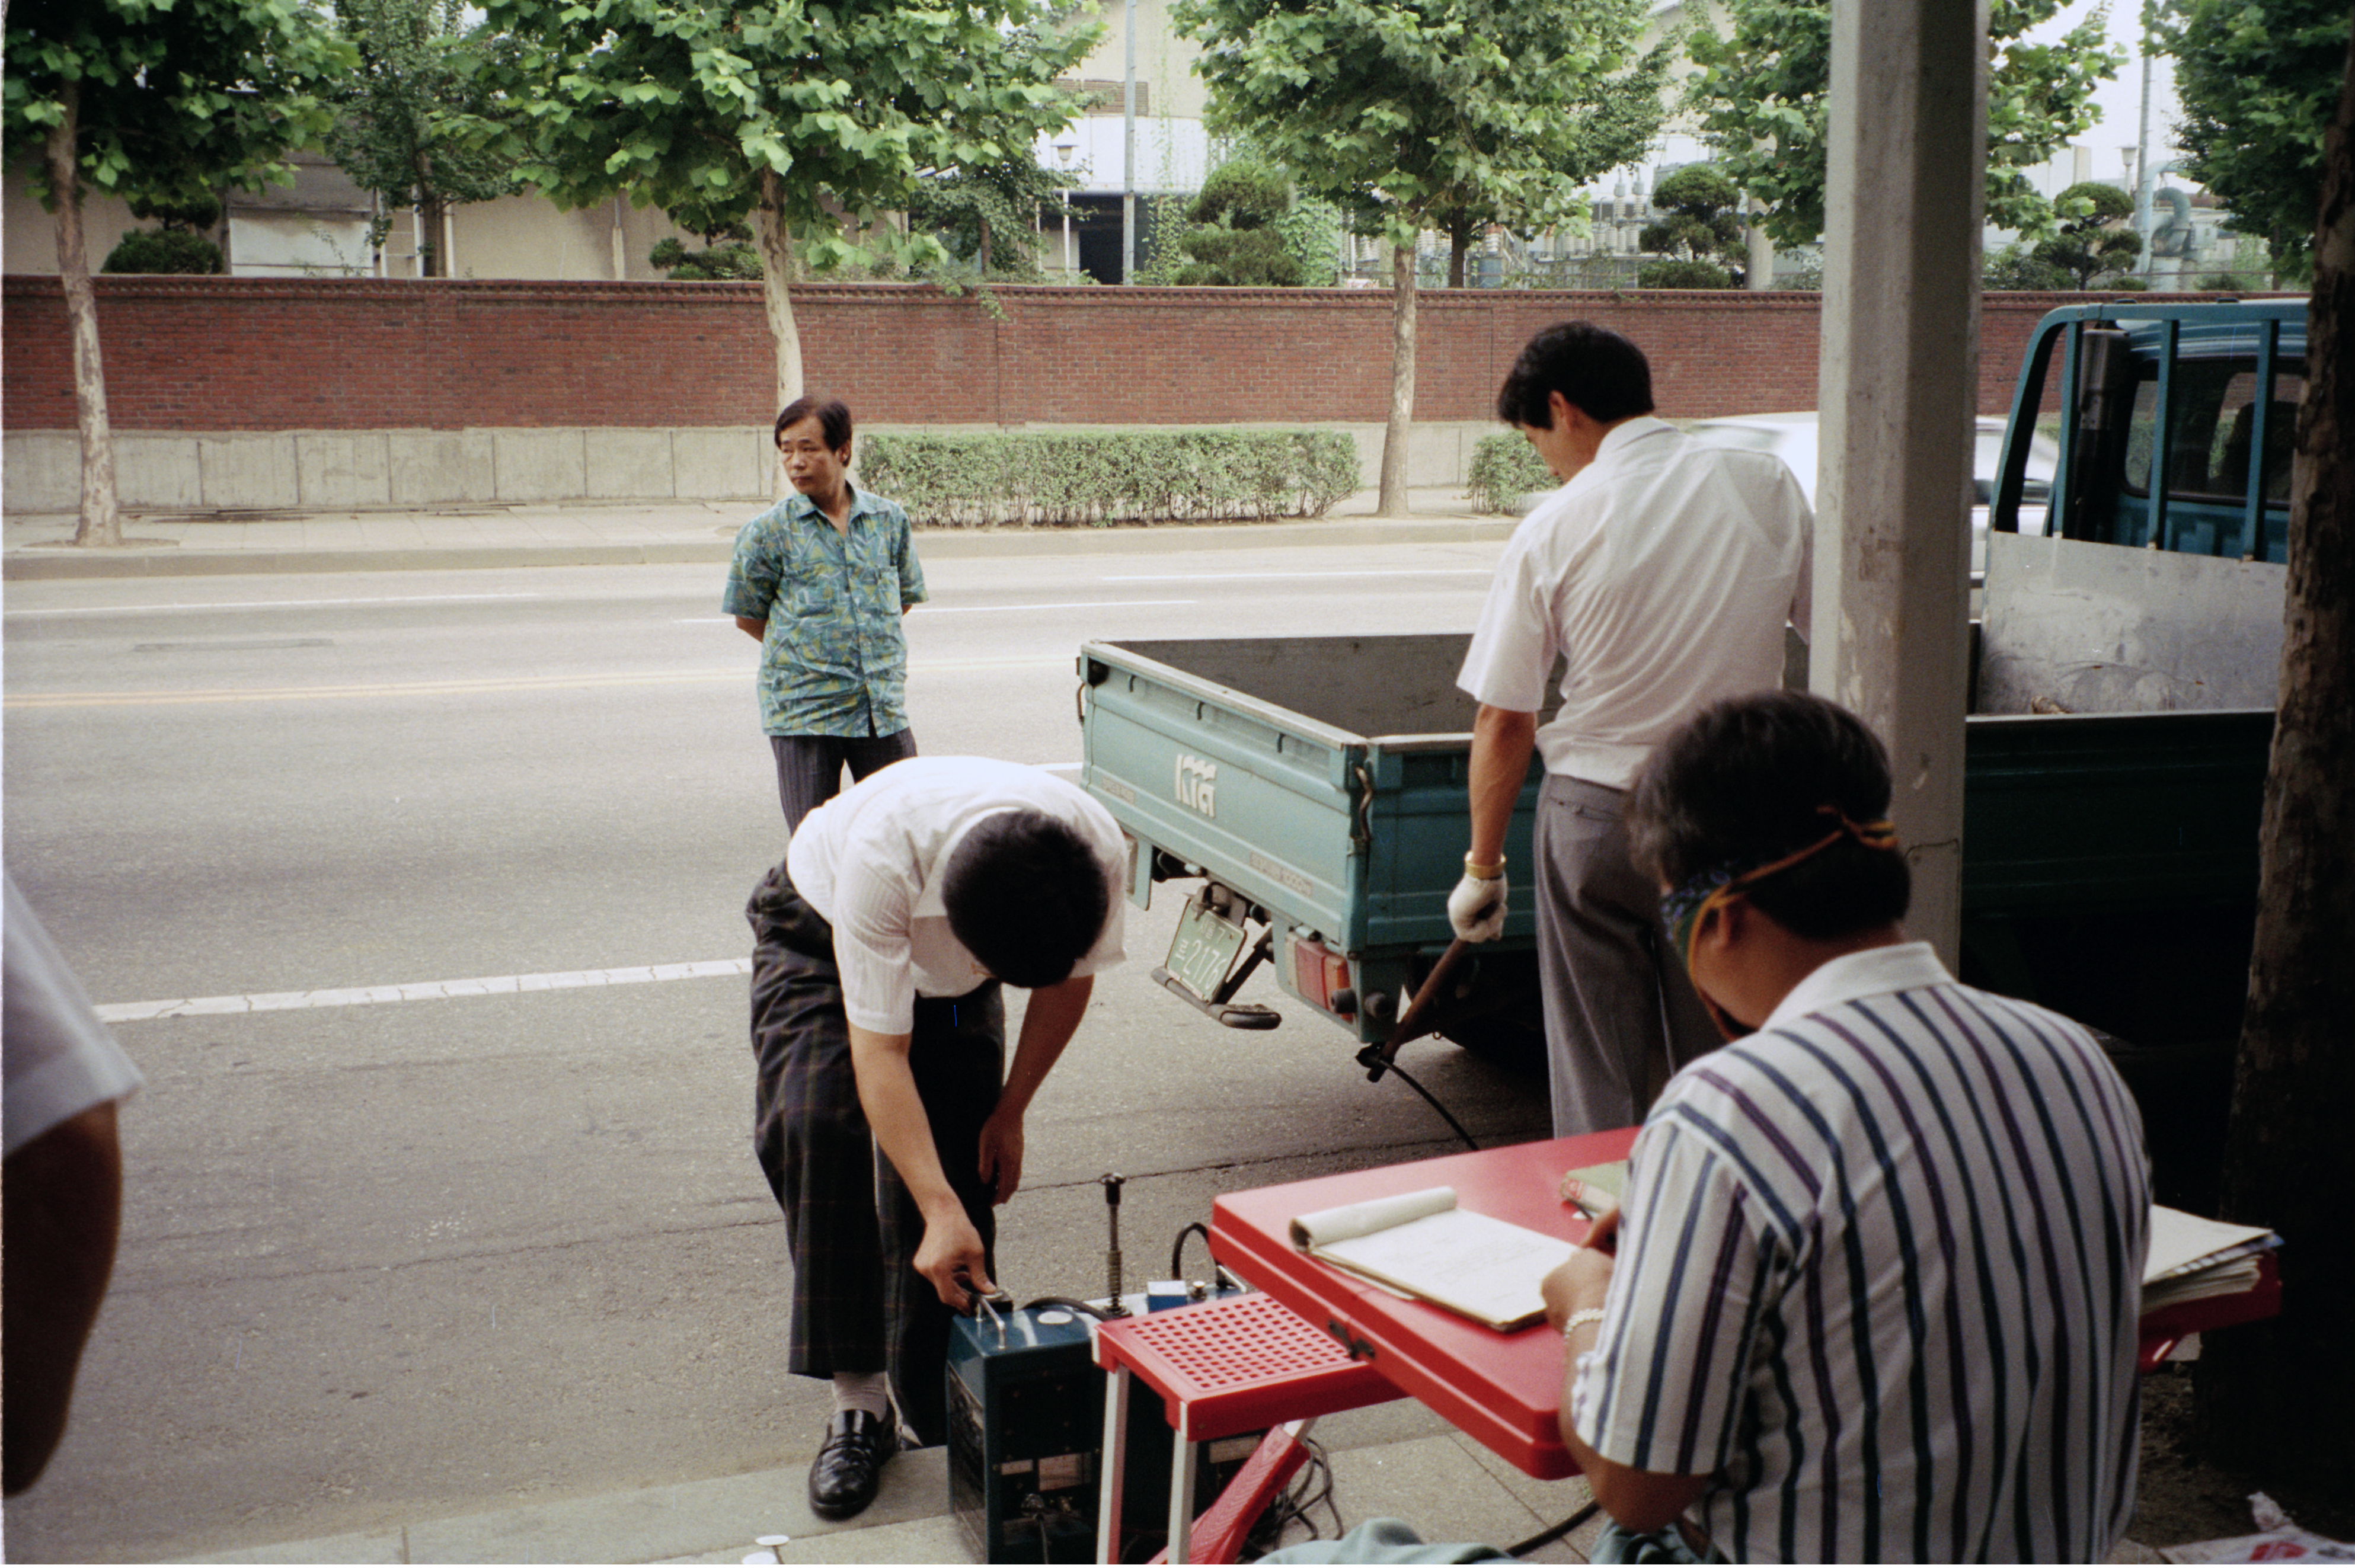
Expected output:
(1792, 438)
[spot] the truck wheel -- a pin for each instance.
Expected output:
(1516, 1044)
(1501, 1014)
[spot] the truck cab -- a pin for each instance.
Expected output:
(2222, 381)
(1314, 789)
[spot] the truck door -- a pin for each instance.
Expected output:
(2213, 415)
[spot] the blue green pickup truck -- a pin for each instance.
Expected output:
(1308, 794)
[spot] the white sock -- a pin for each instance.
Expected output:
(869, 1392)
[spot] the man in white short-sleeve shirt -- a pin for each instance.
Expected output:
(881, 943)
(1662, 574)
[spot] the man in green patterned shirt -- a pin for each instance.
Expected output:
(822, 579)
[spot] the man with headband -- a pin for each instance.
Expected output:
(1872, 1296)
(1661, 573)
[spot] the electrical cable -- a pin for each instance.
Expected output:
(1294, 1504)
(1178, 1249)
(1067, 1302)
(1548, 1537)
(1441, 1109)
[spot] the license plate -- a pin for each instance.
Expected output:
(1203, 951)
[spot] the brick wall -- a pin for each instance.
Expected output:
(265, 354)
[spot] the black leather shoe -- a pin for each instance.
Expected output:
(849, 1466)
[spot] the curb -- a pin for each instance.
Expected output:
(24, 566)
(33, 564)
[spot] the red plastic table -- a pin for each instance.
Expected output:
(1505, 1389)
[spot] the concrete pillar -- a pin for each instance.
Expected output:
(1898, 390)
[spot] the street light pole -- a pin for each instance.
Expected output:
(1128, 155)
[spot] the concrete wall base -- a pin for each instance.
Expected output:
(327, 470)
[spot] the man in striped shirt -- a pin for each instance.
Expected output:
(1873, 1295)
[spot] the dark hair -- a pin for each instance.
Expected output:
(833, 415)
(1596, 371)
(1744, 782)
(1026, 895)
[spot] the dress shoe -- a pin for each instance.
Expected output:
(849, 1466)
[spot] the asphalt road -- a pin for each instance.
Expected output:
(410, 1259)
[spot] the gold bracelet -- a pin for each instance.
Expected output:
(1579, 1320)
(1485, 872)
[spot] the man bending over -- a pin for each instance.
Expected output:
(881, 942)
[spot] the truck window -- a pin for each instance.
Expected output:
(2213, 419)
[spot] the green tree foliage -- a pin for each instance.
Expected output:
(418, 122)
(166, 101)
(727, 255)
(163, 251)
(178, 243)
(2015, 269)
(2091, 241)
(1441, 114)
(2259, 79)
(1234, 238)
(178, 215)
(1761, 98)
(1676, 273)
(987, 218)
(1701, 233)
(1246, 228)
(811, 122)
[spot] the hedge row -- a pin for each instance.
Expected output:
(1504, 468)
(1090, 479)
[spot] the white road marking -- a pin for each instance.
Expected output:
(1089, 604)
(1269, 576)
(419, 990)
(263, 604)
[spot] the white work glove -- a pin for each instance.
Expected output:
(1476, 908)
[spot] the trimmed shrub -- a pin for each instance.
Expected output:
(1504, 468)
(726, 258)
(1683, 275)
(1094, 478)
(169, 250)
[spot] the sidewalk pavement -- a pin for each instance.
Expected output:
(596, 533)
(1397, 1459)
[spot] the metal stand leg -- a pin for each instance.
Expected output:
(1116, 1465)
(1181, 1487)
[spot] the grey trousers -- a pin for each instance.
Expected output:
(1620, 1013)
(809, 767)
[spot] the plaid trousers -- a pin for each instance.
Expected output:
(851, 1225)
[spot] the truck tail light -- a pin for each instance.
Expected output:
(1321, 977)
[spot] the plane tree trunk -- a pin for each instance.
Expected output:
(1392, 502)
(2278, 1399)
(100, 521)
(775, 242)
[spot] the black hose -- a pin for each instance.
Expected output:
(1441, 1109)
(1068, 1303)
(1178, 1249)
(1549, 1536)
